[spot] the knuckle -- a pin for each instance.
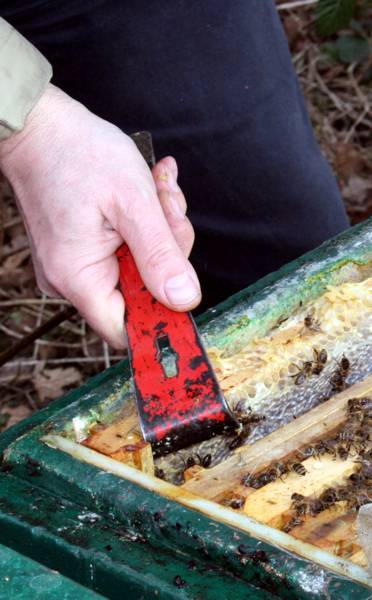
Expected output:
(185, 230)
(160, 254)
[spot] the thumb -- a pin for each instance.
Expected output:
(165, 270)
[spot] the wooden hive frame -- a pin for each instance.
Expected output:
(333, 529)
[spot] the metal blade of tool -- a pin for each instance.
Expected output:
(178, 396)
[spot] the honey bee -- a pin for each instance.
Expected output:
(344, 492)
(337, 381)
(203, 461)
(260, 481)
(363, 433)
(358, 417)
(190, 462)
(355, 404)
(344, 366)
(308, 451)
(359, 408)
(366, 454)
(159, 473)
(298, 468)
(301, 509)
(367, 469)
(311, 324)
(297, 497)
(347, 434)
(329, 496)
(303, 372)
(359, 499)
(246, 479)
(343, 452)
(320, 361)
(246, 420)
(291, 524)
(256, 418)
(277, 471)
(356, 479)
(245, 417)
(326, 447)
(236, 503)
(241, 438)
(316, 506)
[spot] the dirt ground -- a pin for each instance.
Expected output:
(339, 97)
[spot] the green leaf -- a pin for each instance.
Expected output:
(348, 49)
(331, 49)
(333, 15)
(357, 27)
(352, 49)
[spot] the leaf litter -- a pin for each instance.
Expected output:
(339, 99)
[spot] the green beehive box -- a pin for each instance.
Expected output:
(127, 534)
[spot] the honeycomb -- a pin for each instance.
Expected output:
(262, 375)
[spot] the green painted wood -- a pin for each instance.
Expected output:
(147, 550)
(22, 578)
(101, 553)
(178, 531)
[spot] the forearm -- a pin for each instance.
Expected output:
(24, 76)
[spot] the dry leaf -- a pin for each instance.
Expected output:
(357, 189)
(348, 161)
(51, 383)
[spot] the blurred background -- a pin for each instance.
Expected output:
(331, 46)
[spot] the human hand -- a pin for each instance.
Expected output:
(83, 187)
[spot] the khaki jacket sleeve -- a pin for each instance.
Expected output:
(24, 75)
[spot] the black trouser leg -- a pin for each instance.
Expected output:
(213, 81)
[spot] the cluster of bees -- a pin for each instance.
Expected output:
(320, 358)
(316, 366)
(276, 471)
(248, 420)
(354, 439)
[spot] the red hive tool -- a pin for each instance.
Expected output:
(178, 397)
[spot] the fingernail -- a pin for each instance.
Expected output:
(176, 208)
(181, 289)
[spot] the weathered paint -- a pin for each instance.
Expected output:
(183, 407)
(22, 578)
(152, 533)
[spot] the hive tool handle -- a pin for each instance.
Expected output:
(178, 396)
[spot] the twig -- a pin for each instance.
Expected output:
(66, 326)
(30, 362)
(26, 301)
(38, 323)
(84, 344)
(30, 401)
(106, 354)
(10, 332)
(38, 332)
(295, 4)
(11, 251)
(13, 222)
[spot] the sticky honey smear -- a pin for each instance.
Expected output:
(262, 375)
